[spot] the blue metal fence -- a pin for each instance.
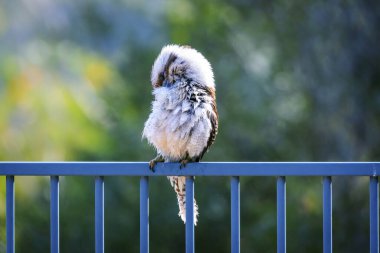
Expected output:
(280, 169)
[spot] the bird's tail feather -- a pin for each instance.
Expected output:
(179, 185)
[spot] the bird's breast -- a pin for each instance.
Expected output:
(177, 129)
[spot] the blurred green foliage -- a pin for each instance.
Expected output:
(296, 81)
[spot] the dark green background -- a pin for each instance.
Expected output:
(296, 81)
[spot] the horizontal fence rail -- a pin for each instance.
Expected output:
(192, 169)
(100, 170)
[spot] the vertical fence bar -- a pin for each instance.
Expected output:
(327, 215)
(99, 214)
(10, 213)
(235, 215)
(374, 214)
(54, 214)
(281, 215)
(144, 214)
(190, 214)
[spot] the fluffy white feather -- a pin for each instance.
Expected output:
(183, 120)
(199, 68)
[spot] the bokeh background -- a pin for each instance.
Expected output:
(296, 81)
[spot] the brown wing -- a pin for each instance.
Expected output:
(213, 117)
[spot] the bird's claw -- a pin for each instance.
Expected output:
(183, 163)
(152, 163)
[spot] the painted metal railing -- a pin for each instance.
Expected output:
(279, 169)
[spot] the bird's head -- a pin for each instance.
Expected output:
(176, 62)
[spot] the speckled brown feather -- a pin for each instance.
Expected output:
(214, 118)
(183, 123)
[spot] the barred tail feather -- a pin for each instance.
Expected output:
(179, 185)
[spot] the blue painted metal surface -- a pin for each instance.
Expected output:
(327, 215)
(281, 214)
(10, 213)
(99, 214)
(190, 214)
(233, 169)
(54, 214)
(144, 214)
(192, 169)
(374, 214)
(235, 214)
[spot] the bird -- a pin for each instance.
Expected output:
(183, 122)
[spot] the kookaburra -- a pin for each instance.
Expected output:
(183, 122)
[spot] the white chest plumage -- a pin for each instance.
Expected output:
(179, 124)
(184, 119)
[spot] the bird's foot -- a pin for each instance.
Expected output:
(184, 162)
(153, 162)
